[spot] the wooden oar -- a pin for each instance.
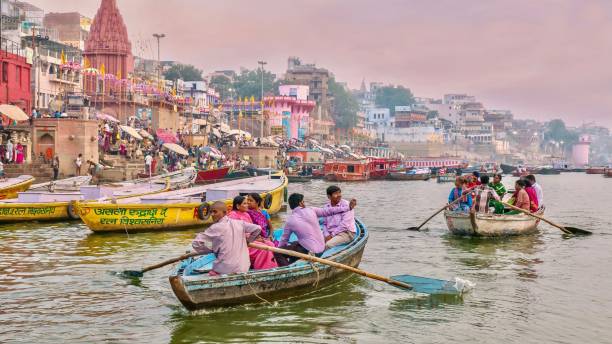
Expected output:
(439, 211)
(140, 273)
(565, 229)
(421, 285)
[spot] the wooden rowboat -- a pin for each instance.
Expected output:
(11, 186)
(595, 170)
(608, 173)
(446, 178)
(195, 289)
(205, 176)
(490, 225)
(68, 184)
(298, 179)
(408, 176)
(178, 209)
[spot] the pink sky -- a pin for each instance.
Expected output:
(541, 59)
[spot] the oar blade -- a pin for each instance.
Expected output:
(429, 285)
(131, 274)
(578, 231)
(412, 228)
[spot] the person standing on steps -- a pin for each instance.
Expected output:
(55, 165)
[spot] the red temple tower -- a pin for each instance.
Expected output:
(108, 45)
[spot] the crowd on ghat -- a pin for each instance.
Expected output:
(226, 237)
(475, 193)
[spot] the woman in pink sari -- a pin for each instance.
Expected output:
(19, 154)
(260, 260)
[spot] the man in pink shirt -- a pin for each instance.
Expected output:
(304, 222)
(226, 239)
(338, 228)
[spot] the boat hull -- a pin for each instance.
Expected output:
(346, 177)
(109, 217)
(406, 176)
(22, 212)
(205, 176)
(196, 292)
(11, 191)
(299, 179)
(446, 178)
(490, 225)
(595, 170)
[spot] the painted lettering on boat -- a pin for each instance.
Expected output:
(145, 216)
(22, 211)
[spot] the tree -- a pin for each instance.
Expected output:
(558, 132)
(345, 106)
(221, 84)
(391, 96)
(184, 72)
(248, 83)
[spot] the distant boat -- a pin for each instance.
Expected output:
(446, 178)
(11, 186)
(595, 170)
(347, 170)
(415, 174)
(490, 225)
(507, 169)
(205, 176)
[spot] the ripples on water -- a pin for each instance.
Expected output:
(57, 281)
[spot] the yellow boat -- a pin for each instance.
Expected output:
(11, 186)
(178, 209)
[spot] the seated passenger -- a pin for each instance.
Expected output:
(483, 196)
(226, 238)
(533, 196)
(538, 189)
(339, 228)
(500, 189)
(466, 203)
(260, 259)
(520, 199)
(304, 222)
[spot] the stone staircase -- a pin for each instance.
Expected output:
(122, 170)
(41, 171)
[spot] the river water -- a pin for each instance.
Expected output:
(57, 285)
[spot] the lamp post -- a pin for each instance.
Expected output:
(158, 36)
(261, 130)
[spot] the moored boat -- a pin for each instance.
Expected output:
(347, 170)
(595, 170)
(446, 178)
(207, 176)
(11, 186)
(490, 225)
(59, 205)
(195, 289)
(608, 173)
(68, 184)
(296, 178)
(507, 169)
(178, 209)
(416, 174)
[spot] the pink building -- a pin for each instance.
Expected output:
(580, 151)
(290, 112)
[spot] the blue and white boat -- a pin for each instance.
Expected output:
(195, 289)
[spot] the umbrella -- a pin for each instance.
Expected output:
(166, 136)
(146, 134)
(176, 148)
(13, 112)
(131, 131)
(216, 132)
(105, 117)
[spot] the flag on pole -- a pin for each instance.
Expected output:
(86, 64)
(102, 70)
(119, 74)
(252, 100)
(63, 57)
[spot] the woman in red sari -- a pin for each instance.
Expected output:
(260, 260)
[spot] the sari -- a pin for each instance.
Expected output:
(260, 260)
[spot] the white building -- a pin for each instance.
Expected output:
(299, 92)
(202, 95)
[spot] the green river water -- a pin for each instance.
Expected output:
(57, 283)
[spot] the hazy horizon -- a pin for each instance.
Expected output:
(543, 60)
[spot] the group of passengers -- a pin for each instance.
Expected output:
(477, 194)
(247, 222)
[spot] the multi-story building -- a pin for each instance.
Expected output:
(15, 78)
(446, 111)
(202, 97)
(72, 27)
(317, 80)
(410, 116)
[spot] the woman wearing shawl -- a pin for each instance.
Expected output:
(259, 259)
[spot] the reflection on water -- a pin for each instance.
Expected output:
(57, 283)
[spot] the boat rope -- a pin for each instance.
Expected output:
(316, 269)
(253, 290)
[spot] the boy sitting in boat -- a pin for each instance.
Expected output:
(226, 239)
(304, 222)
(339, 228)
(458, 191)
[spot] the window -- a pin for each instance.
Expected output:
(350, 168)
(4, 71)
